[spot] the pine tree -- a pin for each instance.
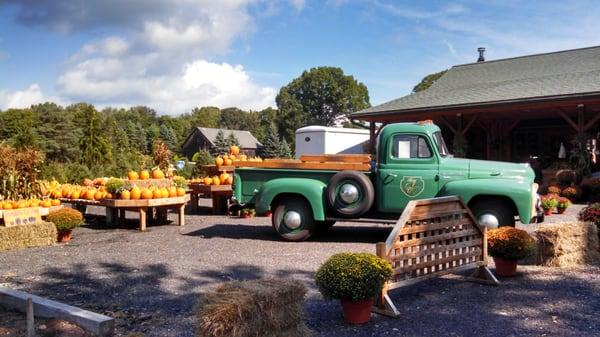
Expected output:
(284, 150)
(221, 144)
(232, 140)
(272, 145)
(95, 149)
(168, 136)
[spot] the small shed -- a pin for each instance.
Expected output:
(204, 138)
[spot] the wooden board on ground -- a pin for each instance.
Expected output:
(98, 324)
(433, 237)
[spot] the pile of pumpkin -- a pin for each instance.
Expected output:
(25, 203)
(157, 173)
(234, 156)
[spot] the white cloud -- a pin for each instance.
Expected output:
(24, 98)
(451, 48)
(298, 4)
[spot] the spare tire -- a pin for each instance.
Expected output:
(350, 194)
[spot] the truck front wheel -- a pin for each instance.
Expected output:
(293, 219)
(493, 213)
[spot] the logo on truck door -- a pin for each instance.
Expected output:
(412, 186)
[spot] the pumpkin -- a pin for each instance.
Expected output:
(125, 195)
(132, 175)
(180, 191)
(146, 194)
(172, 192)
(207, 181)
(158, 174)
(54, 202)
(136, 193)
(218, 161)
(234, 149)
(144, 175)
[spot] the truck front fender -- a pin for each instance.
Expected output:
(520, 192)
(312, 190)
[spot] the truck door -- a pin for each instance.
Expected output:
(408, 171)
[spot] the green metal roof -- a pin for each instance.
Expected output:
(563, 73)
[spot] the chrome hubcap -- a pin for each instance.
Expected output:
(489, 220)
(292, 219)
(349, 193)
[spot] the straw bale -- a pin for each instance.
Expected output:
(255, 308)
(42, 234)
(567, 244)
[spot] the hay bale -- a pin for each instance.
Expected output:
(253, 308)
(567, 244)
(41, 234)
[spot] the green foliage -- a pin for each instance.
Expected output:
(95, 149)
(232, 140)
(319, 96)
(114, 184)
(510, 243)
(221, 144)
(168, 136)
(352, 276)
(180, 182)
(428, 80)
(65, 219)
(549, 201)
(284, 150)
(201, 158)
(271, 145)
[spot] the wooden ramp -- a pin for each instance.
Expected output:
(334, 162)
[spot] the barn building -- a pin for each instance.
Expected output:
(204, 138)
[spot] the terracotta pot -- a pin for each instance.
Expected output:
(548, 212)
(64, 236)
(505, 267)
(561, 210)
(357, 312)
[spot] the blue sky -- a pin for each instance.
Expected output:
(173, 55)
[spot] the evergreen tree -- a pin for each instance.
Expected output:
(137, 136)
(58, 134)
(168, 136)
(284, 150)
(272, 145)
(221, 144)
(232, 140)
(152, 134)
(95, 149)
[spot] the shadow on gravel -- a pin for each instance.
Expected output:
(360, 234)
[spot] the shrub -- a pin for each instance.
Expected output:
(65, 219)
(180, 182)
(549, 201)
(591, 213)
(510, 243)
(563, 202)
(114, 184)
(553, 190)
(352, 276)
(571, 192)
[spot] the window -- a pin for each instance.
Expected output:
(441, 145)
(410, 146)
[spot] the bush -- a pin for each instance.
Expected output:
(563, 203)
(571, 192)
(591, 213)
(65, 219)
(352, 276)
(180, 182)
(549, 201)
(553, 190)
(114, 184)
(510, 243)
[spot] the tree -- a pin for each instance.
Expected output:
(137, 136)
(221, 144)
(284, 150)
(58, 135)
(94, 147)
(168, 136)
(207, 117)
(319, 96)
(272, 145)
(428, 80)
(232, 140)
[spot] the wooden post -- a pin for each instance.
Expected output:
(182, 215)
(194, 201)
(142, 219)
(30, 318)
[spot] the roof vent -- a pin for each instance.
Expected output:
(481, 58)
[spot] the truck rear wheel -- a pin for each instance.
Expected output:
(350, 194)
(493, 213)
(293, 219)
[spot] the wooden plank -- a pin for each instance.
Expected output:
(96, 323)
(307, 166)
(436, 226)
(182, 215)
(201, 188)
(433, 215)
(463, 256)
(80, 202)
(142, 213)
(118, 203)
(439, 249)
(436, 238)
(343, 158)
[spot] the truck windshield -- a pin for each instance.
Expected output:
(441, 145)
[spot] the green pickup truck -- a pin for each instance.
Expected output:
(412, 162)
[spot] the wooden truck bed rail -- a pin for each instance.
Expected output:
(315, 162)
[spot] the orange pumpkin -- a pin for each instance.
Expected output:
(144, 175)
(228, 162)
(108, 196)
(223, 177)
(76, 194)
(156, 194)
(46, 203)
(125, 195)
(207, 181)
(234, 149)
(132, 175)
(158, 174)
(89, 194)
(98, 195)
(7, 205)
(216, 180)
(172, 192)
(54, 202)
(146, 194)
(136, 193)
(218, 161)
(180, 191)
(230, 180)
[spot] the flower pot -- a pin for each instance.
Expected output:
(505, 267)
(64, 236)
(548, 212)
(561, 210)
(357, 312)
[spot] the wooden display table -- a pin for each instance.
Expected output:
(220, 195)
(115, 208)
(214, 170)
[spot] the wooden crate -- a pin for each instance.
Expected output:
(433, 237)
(214, 170)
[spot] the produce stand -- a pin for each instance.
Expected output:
(220, 195)
(115, 208)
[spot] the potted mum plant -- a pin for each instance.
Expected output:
(562, 204)
(548, 203)
(65, 220)
(355, 279)
(247, 213)
(507, 245)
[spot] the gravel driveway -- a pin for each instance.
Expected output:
(150, 281)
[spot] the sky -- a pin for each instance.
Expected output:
(174, 55)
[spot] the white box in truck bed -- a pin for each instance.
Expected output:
(317, 139)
